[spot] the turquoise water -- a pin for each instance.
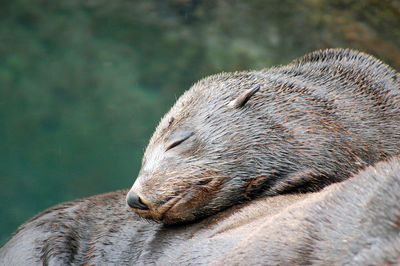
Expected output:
(84, 83)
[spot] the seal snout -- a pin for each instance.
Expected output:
(135, 202)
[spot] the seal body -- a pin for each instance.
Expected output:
(237, 136)
(354, 222)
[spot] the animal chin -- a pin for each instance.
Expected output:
(183, 207)
(178, 209)
(188, 206)
(144, 214)
(169, 212)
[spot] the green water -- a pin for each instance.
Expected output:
(84, 83)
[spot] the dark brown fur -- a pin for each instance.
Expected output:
(234, 137)
(355, 222)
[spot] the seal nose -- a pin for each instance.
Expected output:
(135, 202)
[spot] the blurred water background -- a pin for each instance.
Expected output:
(83, 83)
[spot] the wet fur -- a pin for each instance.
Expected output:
(355, 222)
(311, 123)
(294, 128)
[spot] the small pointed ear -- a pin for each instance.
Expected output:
(243, 98)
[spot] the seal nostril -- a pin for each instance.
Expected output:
(135, 202)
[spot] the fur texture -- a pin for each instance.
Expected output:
(355, 222)
(297, 128)
(236, 137)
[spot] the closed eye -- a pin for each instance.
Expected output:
(179, 138)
